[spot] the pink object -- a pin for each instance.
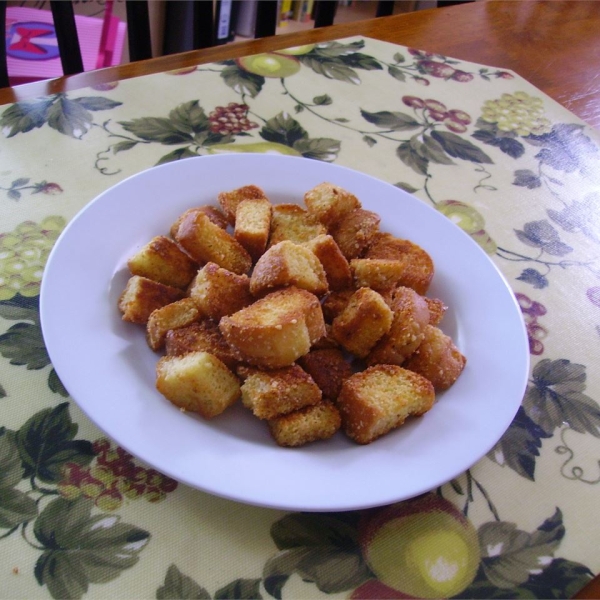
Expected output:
(32, 49)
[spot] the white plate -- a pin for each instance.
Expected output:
(109, 370)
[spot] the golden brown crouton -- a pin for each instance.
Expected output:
(354, 231)
(292, 222)
(318, 422)
(206, 242)
(213, 213)
(329, 203)
(437, 310)
(164, 261)
(142, 296)
(418, 265)
(198, 382)
(377, 273)
(328, 368)
(437, 359)
(381, 398)
(285, 264)
(335, 302)
(219, 292)
(204, 335)
(334, 262)
(364, 320)
(271, 393)
(276, 330)
(253, 225)
(230, 200)
(411, 316)
(172, 316)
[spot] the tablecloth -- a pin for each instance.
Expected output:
(80, 517)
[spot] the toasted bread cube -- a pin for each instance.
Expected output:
(437, 358)
(206, 242)
(142, 296)
(418, 265)
(230, 200)
(379, 399)
(363, 322)
(379, 274)
(292, 222)
(354, 231)
(212, 212)
(336, 266)
(253, 225)
(276, 330)
(411, 316)
(329, 203)
(269, 394)
(172, 316)
(287, 264)
(203, 335)
(219, 292)
(164, 261)
(318, 422)
(335, 302)
(437, 310)
(198, 382)
(328, 368)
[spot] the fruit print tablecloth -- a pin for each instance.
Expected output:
(80, 517)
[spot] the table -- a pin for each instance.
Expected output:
(516, 99)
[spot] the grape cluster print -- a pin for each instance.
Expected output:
(232, 118)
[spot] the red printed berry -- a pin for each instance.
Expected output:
(421, 81)
(462, 76)
(435, 105)
(454, 126)
(460, 116)
(413, 101)
(436, 69)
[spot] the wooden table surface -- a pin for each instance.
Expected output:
(553, 44)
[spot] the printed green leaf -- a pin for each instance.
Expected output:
(69, 117)
(81, 549)
(506, 143)
(124, 145)
(11, 470)
(556, 398)
(399, 58)
(178, 586)
(283, 129)
(510, 556)
(358, 60)
(240, 589)
(157, 129)
(46, 443)
(394, 121)
(430, 150)
(458, 147)
(535, 278)
(370, 141)
(541, 234)
(323, 100)
(560, 579)
(335, 49)
(280, 568)
(97, 103)
(325, 149)
(23, 344)
(2, 391)
(242, 81)
(527, 178)
(580, 217)
(25, 116)
(20, 308)
(189, 117)
(178, 154)
(396, 73)
(411, 189)
(412, 159)
(332, 68)
(20, 182)
(13, 194)
(56, 385)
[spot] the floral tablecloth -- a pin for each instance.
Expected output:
(80, 517)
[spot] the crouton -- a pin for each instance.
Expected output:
(269, 394)
(162, 260)
(253, 225)
(418, 265)
(285, 264)
(377, 273)
(329, 203)
(198, 382)
(203, 335)
(230, 200)
(364, 320)
(336, 266)
(354, 231)
(437, 310)
(172, 316)
(335, 302)
(292, 222)
(142, 296)
(219, 292)
(379, 399)
(318, 422)
(328, 368)
(275, 330)
(214, 214)
(411, 316)
(206, 242)
(437, 358)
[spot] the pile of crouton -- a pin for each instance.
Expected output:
(311, 315)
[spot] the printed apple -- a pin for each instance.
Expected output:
(424, 548)
(297, 50)
(258, 147)
(270, 64)
(469, 219)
